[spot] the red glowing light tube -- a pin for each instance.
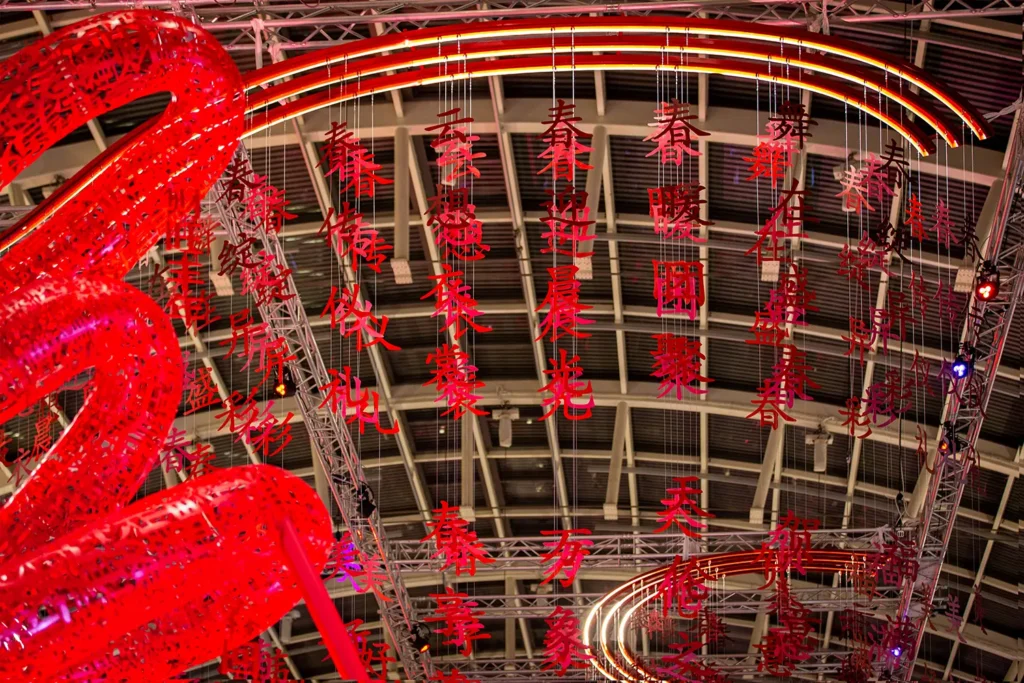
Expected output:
(90, 589)
(550, 27)
(426, 76)
(640, 590)
(454, 57)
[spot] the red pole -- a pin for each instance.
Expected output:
(336, 637)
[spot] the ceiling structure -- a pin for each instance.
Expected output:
(557, 472)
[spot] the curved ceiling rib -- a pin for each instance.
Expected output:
(454, 59)
(427, 76)
(663, 27)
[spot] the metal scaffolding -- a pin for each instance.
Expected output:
(337, 465)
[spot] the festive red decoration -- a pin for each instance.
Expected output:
(791, 124)
(345, 394)
(65, 311)
(788, 547)
(854, 266)
(674, 133)
(914, 220)
(854, 184)
(677, 362)
(563, 648)
(681, 510)
(567, 389)
(353, 318)
(348, 235)
(769, 159)
(454, 147)
(855, 418)
(452, 300)
(711, 628)
(788, 304)
(453, 676)
(462, 624)
(785, 223)
(942, 225)
(887, 400)
(568, 224)
(779, 392)
(266, 281)
(567, 553)
(561, 305)
(685, 586)
(896, 560)
(564, 143)
(675, 210)
(454, 541)
(453, 219)
(789, 643)
(265, 205)
(351, 161)
(455, 380)
(679, 287)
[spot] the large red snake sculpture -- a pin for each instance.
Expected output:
(90, 589)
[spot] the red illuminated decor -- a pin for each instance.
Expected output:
(455, 380)
(790, 642)
(564, 143)
(561, 305)
(63, 299)
(345, 395)
(674, 133)
(784, 223)
(853, 194)
(679, 287)
(563, 648)
(461, 623)
(452, 215)
(353, 239)
(675, 210)
(452, 676)
(353, 164)
(453, 302)
(456, 544)
(567, 224)
(681, 510)
(677, 362)
(566, 554)
(685, 587)
(567, 389)
(778, 393)
(353, 317)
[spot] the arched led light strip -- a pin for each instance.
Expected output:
(663, 26)
(719, 565)
(454, 58)
(428, 76)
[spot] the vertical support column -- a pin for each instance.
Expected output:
(611, 499)
(467, 469)
(400, 256)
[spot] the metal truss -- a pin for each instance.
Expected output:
(620, 550)
(334, 452)
(986, 330)
(722, 601)
(743, 664)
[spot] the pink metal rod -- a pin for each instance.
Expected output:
(336, 637)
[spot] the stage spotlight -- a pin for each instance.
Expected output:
(367, 506)
(285, 387)
(949, 443)
(896, 651)
(421, 637)
(987, 286)
(963, 364)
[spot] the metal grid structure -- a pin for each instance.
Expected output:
(716, 440)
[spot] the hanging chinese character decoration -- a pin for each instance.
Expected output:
(679, 287)
(351, 161)
(565, 555)
(563, 647)
(564, 143)
(681, 510)
(677, 365)
(454, 542)
(458, 620)
(674, 133)
(455, 380)
(676, 209)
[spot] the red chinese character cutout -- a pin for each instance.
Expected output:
(353, 318)
(462, 625)
(778, 393)
(674, 133)
(455, 380)
(854, 184)
(568, 224)
(679, 287)
(567, 553)
(785, 223)
(454, 147)
(677, 362)
(452, 300)
(453, 219)
(348, 235)
(942, 225)
(563, 648)
(792, 124)
(685, 586)
(352, 162)
(563, 140)
(914, 220)
(855, 418)
(455, 543)
(561, 305)
(675, 210)
(681, 510)
(567, 389)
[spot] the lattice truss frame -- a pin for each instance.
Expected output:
(335, 465)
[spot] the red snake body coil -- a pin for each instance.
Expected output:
(90, 589)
